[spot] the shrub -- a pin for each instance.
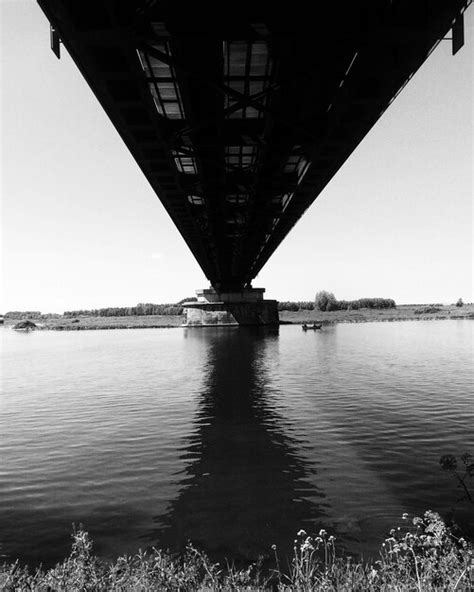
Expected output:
(427, 310)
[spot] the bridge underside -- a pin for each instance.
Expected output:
(239, 114)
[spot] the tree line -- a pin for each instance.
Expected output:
(295, 306)
(326, 301)
(23, 314)
(141, 309)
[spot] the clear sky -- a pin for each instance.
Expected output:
(81, 227)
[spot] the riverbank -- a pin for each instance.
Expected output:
(409, 312)
(404, 312)
(422, 554)
(84, 323)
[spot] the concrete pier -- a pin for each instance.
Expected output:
(231, 309)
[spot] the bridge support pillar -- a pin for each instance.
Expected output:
(231, 309)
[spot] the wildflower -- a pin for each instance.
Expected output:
(404, 516)
(274, 547)
(307, 546)
(322, 532)
(331, 539)
(302, 533)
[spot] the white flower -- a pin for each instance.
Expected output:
(302, 532)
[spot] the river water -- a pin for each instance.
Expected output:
(231, 438)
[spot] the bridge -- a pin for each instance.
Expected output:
(240, 113)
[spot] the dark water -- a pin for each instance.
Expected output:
(231, 438)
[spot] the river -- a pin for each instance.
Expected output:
(231, 438)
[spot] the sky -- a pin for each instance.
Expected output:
(81, 227)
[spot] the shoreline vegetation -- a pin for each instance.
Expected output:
(296, 315)
(421, 554)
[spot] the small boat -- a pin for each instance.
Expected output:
(305, 327)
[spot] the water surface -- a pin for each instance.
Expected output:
(231, 438)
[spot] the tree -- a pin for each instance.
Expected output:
(325, 301)
(460, 303)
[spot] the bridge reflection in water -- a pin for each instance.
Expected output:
(246, 486)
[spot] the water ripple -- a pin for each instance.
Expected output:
(233, 439)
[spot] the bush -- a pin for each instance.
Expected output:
(460, 303)
(427, 310)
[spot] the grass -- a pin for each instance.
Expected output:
(408, 312)
(422, 555)
(88, 323)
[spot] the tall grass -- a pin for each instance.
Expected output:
(422, 555)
